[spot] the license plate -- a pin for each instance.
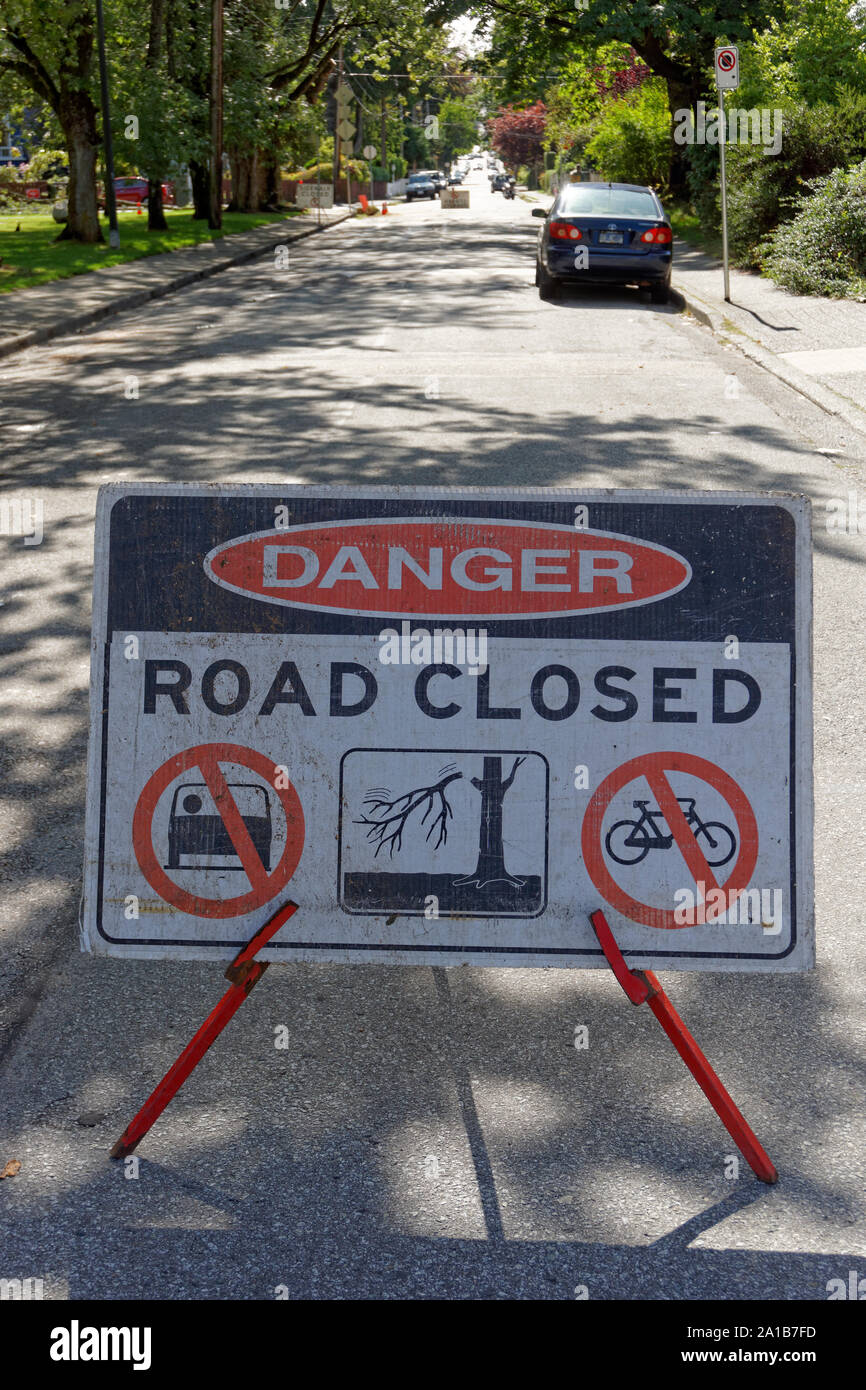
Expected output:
(610, 238)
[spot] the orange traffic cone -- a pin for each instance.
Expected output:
(384, 209)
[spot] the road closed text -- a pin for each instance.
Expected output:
(613, 693)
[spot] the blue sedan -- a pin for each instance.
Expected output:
(605, 233)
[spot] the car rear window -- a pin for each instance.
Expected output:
(595, 200)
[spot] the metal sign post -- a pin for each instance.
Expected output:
(727, 65)
(369, 153)
(722, 148)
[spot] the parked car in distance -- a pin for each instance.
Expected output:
(622, 230)
(420, 186)
(454, 179)
(134, 190)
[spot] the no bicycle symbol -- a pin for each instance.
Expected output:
(704, 845)
(230, 831)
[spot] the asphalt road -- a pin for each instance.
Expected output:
(426, 1132)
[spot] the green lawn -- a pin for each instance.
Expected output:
(687, 227)
(32, 255)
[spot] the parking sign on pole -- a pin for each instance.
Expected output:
(727, 65)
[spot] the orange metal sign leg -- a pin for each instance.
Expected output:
(642, 986)
(244, 973)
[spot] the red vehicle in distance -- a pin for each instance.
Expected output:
(134, 190)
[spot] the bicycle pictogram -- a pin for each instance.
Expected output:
(630, 841)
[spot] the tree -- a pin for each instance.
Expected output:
(631, 139)
(674, 38)
(458, 127)
(490, 867)
(51, 48)
(518, 136)
(155, 214)
(588, 81)
(387, 816)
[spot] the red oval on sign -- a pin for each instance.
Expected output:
(447, 567)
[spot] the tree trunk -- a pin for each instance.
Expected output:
(254, 181)
(682, 96)
(200, 175)
(270, 181)
(491, 850)
(78, 120)
(243, 169)
(155, 214)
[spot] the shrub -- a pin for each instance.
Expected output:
(704, 185)
(632, 137)
(12, 186)
(322, 173)
(822, 250)
(763, 189)
(47, 164)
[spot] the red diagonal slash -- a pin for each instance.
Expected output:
(233, 820)
(656, 769)
(680, 828)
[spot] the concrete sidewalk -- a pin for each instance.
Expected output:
(817, 346)
(65, 306)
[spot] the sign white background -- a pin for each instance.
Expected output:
(754, 753)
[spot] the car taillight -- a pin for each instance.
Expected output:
(563, 231)
(658, 235)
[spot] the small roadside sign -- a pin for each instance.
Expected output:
(314, 195)
(727, 62)
(450, 724)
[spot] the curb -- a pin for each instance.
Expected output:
(73, 323)
(732, 335)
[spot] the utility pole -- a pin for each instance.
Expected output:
(383, 136)
(110, 200)
(336, 165)
(215, 219)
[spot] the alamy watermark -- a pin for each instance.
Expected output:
(715, 907)
(457, 646)
(18, 1290)
(846, 516)
(22, 516)
(753, 127)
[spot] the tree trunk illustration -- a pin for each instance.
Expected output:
(491, 851)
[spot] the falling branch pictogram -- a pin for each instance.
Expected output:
(387, 816)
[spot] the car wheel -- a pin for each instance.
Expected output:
(546, 283)
(660, 294)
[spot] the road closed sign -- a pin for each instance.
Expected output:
(450, 724)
